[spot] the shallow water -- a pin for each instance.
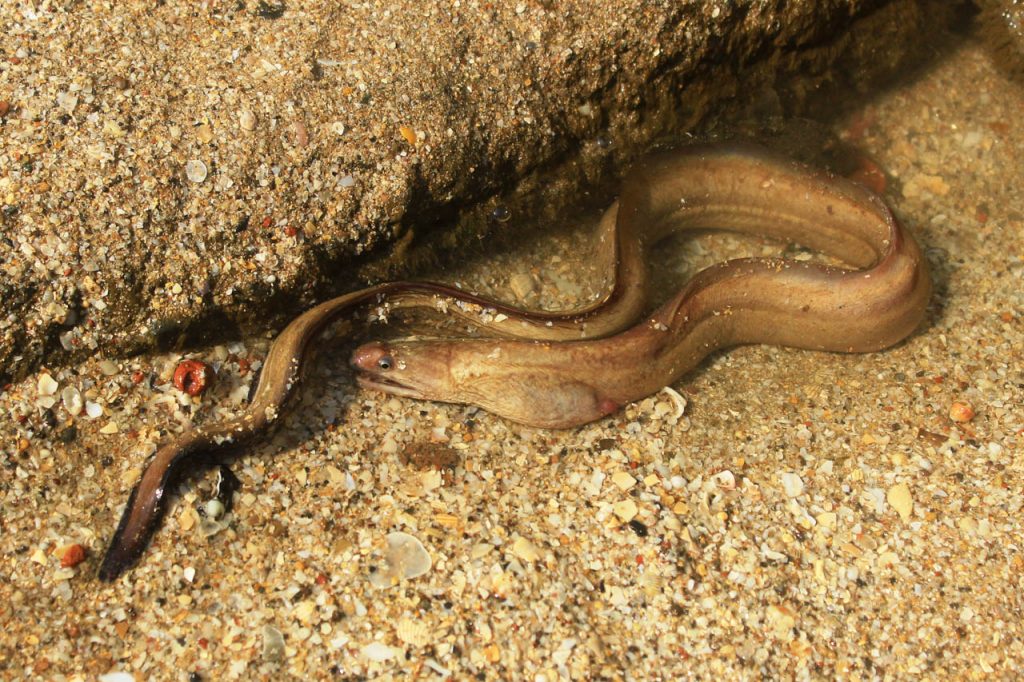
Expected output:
(809, 515)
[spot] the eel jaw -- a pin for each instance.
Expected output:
(379, 383)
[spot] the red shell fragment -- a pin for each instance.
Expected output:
(193, 377)
(72, 556)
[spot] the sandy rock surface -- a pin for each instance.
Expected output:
(184, 171)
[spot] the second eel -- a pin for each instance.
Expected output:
(877, 303)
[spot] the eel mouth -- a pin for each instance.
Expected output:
(379, 383)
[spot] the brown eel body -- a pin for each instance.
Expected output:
(552, 372)
(874, 304)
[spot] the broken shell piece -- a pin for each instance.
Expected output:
(376, 651)
(413, 632)
(46, 385)
(72, 400)
(273, 644)
(196, 171)
(404, 558)
(678, 400)
(725, 480)
(247, 120)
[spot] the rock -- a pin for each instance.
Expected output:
(561, 100)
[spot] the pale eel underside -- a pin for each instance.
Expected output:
(549, 370)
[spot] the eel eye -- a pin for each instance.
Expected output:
(386, 362)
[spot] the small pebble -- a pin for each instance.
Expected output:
(196, 171)
(72, 555)
(623, 480)
(301, 133)
(193, 377)
(638, 527)
(502, 214)
(792, 484)
(409, 134)
(961, 412)
(525, 550)
(46, 385)
(214, 509)
(273, 644)
(625, 510)
(247, 120)
(900, 499)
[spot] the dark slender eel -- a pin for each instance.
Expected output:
(282, 372)
(561, 384)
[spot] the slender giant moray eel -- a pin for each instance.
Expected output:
(748, 300)
(552, 373)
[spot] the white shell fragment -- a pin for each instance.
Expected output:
(414, 632)
(246, 120)
(404, 558)
(72, 400)
(214, 509)
(273, 644)
(375, 651)
(196, 171)
(725, 480)
(677, 400)
(46, 385)
(792, 484)
(93, 410)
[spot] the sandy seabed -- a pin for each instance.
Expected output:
(808, 516)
